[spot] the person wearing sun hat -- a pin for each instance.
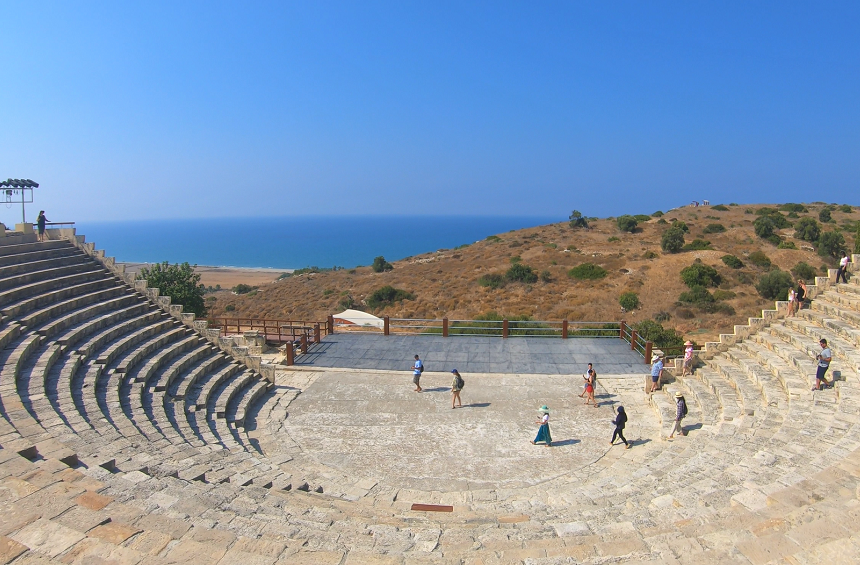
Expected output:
(543, 434)
(688, 359)
(680, 412)
(656, 372)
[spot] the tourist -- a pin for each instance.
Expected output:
(843, 268)
(590, 382)
(417, 369)
(619, 421)
(680, 413)
(543, 434)
(585, 380)
(456, 387)
(656, 372)
(799, 295)
(688, 359)
(823, 359)
(40, 222)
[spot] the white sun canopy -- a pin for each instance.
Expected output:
(358, 318)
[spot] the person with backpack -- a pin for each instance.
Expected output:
(456, 387)
(619, 422)
(417, 369)
(824, 358)
(680, 414)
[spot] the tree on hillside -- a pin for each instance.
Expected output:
(831, 244)
(673, 240)
(380, 264)
(857, 239)
(807, 229)
(576, 220)
(179, 282)
(824, 215)
(627, 223)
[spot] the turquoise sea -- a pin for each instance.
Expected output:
(293, 243)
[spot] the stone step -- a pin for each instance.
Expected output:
(836, 310)
(113, 325)
(140, 334)
(17, 249)
(33, 265)
(40, 255)
(10, 297)
(30, 303)
(179, 366)
(57, 317)
(821, 320)
(180, 385)
(212, 381)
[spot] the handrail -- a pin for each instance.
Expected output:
(274, 330)
(59, 223)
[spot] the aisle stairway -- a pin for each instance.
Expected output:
(130, 432)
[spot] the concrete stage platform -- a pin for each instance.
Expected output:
(476, 354)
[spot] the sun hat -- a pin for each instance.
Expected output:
(655, 358)
(688, 343)
(454, 371)
(679, 395)
(543, 408)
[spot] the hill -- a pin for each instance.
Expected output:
(447, 282)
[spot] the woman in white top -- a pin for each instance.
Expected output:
(843, 268)
(543, 434)
(688, 359)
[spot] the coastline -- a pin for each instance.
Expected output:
(227, 277)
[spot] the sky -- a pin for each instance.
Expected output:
(158, 110)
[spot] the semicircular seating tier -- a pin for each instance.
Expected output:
(131, 432)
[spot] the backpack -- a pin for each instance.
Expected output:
(683, 409)
(460, 382)
(421, 368)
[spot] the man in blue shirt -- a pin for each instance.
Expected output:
(656, 372)
(417, 369)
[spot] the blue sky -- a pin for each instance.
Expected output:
(206, 109)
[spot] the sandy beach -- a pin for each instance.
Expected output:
(227, 277)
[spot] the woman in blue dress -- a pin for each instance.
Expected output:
(543, 434)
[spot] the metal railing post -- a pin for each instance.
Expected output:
(330, 324)
(564, 329)
(317, 333)
(385, 326)
(648, 347)
(444, 327)
(504, 328)
(633, 336)
(622, 329)
(304, 343)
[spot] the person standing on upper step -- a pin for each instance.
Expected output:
(823, 359)
(799, 296)
(656, 372)
(843, 268)
(680, 414)
(41, 220)
(688, 359)
(417, 369)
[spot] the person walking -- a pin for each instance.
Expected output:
(543, 434)
(585, 380)
(417, 369)
(456, 387)
(823, 359)
(619, 421)
(688, 359)
(843, 268)
(799, 295)
(656, 372)
(41, 220)
(680, 414)
(590, 383)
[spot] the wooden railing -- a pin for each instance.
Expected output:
(273, 330)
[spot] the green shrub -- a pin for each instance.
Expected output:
(380, 264)
(732, 261)
(629, 301)
(492, 280)
(831, 244)
(657, 214)
(714, 228)
(749, 211)
(613, 239)
(793, 215)
(230, 308)
(493, 238)
(662, 316)
(650, 255)
(576, 220)
(521, 273)
(243, 288)
(807, 229)
(672, 240)
(700, 275)
(545, 276)
(779, 221)
(804, 271)
(641, 217)
(766, 211)
(627, 223)
(697, 245)
(774, 285)
(387, 295)
(515, 259)
(720, 208)
(791, 207)
(696, 296)
(685, 313)
(681, 226)
(662, 221)
(346, 302)
(759, 259)
(764, 227)
(661, 337)
(721, 294)
(587, 271)
(824, 215)
(180, 282)
(846, 208)
(786, 245)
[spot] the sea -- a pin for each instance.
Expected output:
(294, 242)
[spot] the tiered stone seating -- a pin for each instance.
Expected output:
(126, 436)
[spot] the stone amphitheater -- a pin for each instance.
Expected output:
(132, 433)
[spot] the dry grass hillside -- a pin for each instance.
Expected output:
(445, 282)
